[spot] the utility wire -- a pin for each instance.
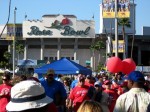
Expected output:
(7, 19)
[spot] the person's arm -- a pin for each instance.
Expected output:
(2, 94)
(70, 105)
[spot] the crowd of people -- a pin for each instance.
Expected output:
(99, 93)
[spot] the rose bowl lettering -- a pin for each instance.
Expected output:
(70, 31)
(36, 31)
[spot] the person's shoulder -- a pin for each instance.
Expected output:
(58, 83)
(124, 96)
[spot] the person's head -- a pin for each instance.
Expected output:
(136, 80)
(105, 78)
(88, 78)
(66, 82)
(28, 96)
(81, 80)
(97, 86)
(100, 78)
(118, 75)
(90, 106)
(50, 75)
(107, 84)
(6, 78)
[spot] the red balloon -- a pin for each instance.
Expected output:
(128, 65)
(114, 65)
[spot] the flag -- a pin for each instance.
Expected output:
(93, 16)
(25, 16)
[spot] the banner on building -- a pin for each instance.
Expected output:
(120, 46)
(123, 9)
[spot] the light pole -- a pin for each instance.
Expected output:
(116, 28)
(14, 42)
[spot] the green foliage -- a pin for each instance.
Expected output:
(98, 45)
(100, 67)
(4, 64)
(19, 48)
(7, 55)
(124, 22)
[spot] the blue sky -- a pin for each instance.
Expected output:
(82, 9)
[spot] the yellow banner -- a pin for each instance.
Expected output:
(10, 38)
(108, 14)
(123, 14)
(120, 46)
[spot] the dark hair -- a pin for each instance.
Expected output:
(7, 76)
(23, 77)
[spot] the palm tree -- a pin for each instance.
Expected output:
(124, 22)
(7, 55)
(19, 49)
(97, 45)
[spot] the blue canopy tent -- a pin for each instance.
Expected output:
(64, 66)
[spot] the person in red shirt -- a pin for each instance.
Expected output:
(78, 94)
(5, 92)
(112, 95)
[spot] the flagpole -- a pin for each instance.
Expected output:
(116, 28)
(14, 42)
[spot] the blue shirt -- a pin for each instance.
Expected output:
(74, 83)
(54, 88)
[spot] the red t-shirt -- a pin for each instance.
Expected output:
(112, 99)
(78, 95)
(6, 97)
(88, 84)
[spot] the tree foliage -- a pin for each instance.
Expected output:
(98, 45)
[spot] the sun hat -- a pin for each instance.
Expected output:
(27, 95)
(136, 76)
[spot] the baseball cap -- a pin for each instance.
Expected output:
(97, 84)
(88, 77)
(107, 82)
(136, 76)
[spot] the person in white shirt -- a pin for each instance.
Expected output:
(136, 99)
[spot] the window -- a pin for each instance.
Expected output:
(72, 58)
(34, 46)
(45, 58)
(51, 58)
(55, 58)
